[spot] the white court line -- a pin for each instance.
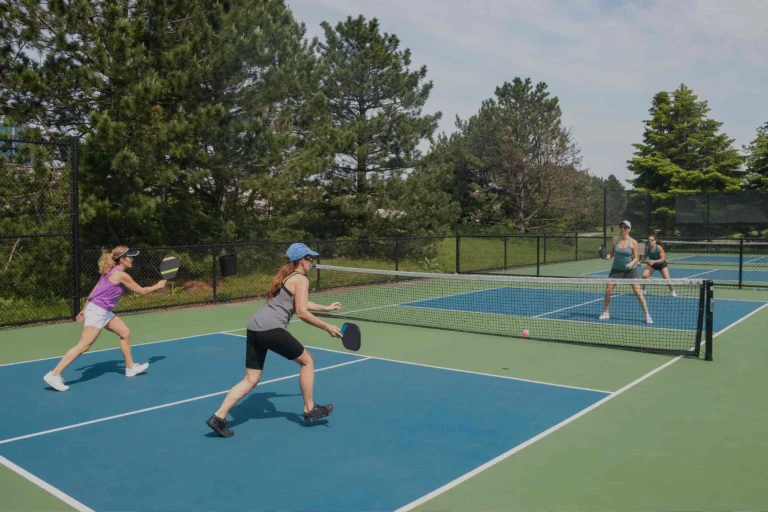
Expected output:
(577, 305)
(542, 435)
(455, 369)
(156, 407)
(134, 345)
(739, 320)
(69, 500)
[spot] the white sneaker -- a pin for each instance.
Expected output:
(643, 292)
(55, 381)
(605, 316)
(136, 369)
(648, 319)
(674, 293)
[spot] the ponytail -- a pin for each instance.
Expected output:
(107, 260)
(287, 269)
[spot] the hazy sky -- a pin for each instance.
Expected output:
(603, 59)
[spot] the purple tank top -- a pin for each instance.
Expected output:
(106, 294)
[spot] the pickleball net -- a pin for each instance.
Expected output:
(550, 309)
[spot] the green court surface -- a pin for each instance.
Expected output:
(675, 434)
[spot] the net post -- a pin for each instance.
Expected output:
(741, 261)
(700, 317)
(75, 227)
(710, 314)
(458, 253)
(538, 256)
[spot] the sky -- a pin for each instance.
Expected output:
(604, 60)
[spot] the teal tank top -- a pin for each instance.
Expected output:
(653, 254)
(622, 257)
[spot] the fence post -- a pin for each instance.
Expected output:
(506, 238)
(605, 214)
(317, 271)
(577, 245)
(741, 261)
(75, 200)
(545, 248)
(213, 271)
(458, 252)
(538, 252)
(648, 211)
(397, 259)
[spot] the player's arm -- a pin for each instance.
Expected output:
(319, 307)
(301, 301)
(128, 282)
(662, 255)
(610, 249)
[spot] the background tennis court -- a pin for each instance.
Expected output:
(554, 426)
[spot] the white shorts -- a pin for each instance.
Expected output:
(96, 316)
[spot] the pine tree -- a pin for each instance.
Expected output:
(528, 163)
(185, 107)
(376, 103)
(757, 160)
(682, 150)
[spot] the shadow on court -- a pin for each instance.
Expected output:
(96, 370)
(257, 406)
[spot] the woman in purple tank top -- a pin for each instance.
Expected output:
(98, 313)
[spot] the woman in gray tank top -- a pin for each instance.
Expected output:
(267, 331)
(624, 251)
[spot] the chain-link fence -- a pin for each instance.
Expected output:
(44, 279)
(38, 231)
(702, 215)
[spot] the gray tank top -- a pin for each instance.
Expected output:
(276, 312)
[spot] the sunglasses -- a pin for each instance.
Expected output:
(623, 226)
(309, 258)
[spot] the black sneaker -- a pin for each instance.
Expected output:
(219, 426)
(318, 412)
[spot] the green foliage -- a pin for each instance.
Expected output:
(376, 105)
(682, 150)
(514, 162)
(194, 113)
(757, 160)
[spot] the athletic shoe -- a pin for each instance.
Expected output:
(55, 381)
(136, 369)
(318, 412)
(674, 293)
(648, 319)
(605, 316)
(219, 426)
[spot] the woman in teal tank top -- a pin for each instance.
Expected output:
(624, 251)
(656, 260)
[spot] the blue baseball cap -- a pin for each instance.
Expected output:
(298, 250)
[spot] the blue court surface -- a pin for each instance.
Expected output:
(722, 258)
(398, 432)
(585, 306)
(716, 275)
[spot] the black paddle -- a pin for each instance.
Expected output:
(350, 336)
(169, 267)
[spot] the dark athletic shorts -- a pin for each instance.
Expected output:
(659, 266)
(279, 341)
(623, 274)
